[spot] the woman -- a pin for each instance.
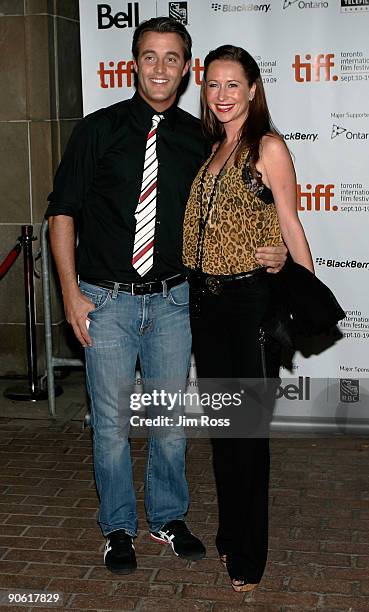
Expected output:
(243, 197)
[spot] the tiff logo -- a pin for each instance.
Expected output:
(179, 12)
(119, 76)
(106, 20)
(311, 69)
(313, 198)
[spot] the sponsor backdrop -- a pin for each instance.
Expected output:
(314, 59)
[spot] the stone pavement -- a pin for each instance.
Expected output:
(49, 540)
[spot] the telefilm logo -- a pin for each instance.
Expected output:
(300, 392)
(349, 390)
(123, 19)
(304, 5)
(354, 6)
(179, 12)
(240, 8)
(338, 130)
(343, 263)
(316, 197)
(318, 68)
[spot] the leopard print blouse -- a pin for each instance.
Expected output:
(242, 217)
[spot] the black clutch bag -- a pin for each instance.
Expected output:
(301, 305)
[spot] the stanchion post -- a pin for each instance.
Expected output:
(29, 300)
(33, 393)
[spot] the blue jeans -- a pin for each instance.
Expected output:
(156, 328)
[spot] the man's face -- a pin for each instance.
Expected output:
(160, 67)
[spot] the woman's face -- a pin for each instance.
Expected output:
(228, 92)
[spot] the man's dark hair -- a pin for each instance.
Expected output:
(162, 25)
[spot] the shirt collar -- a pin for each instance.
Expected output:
(143, 112)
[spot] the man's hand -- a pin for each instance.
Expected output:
(272, 257)
(77, 307)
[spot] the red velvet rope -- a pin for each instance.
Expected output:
(10, 259)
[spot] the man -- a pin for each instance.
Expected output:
(125, 178)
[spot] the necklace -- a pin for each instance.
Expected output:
(203, 221)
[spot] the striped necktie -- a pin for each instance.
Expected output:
(143, 249)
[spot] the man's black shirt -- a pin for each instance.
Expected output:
(99, 179)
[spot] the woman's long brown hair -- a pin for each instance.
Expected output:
(258, 121)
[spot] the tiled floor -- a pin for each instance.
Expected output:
(319, 540)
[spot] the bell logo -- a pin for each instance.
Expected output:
(318, 197)
(128, 19)
(312, 68)
(301, 391)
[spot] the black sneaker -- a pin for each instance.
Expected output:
(182, 541)
(119, 553)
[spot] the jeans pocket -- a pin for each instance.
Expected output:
(99, 297)
(179, 295)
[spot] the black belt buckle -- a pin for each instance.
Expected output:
(214, 285)
(141, 288)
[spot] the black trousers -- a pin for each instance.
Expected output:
(226, 344)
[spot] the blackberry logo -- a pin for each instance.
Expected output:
(240, 8)
(301, 136)
(179, 12)
(337, 131)
(349, 390)
(343, 263)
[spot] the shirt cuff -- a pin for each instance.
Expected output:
(59, 208)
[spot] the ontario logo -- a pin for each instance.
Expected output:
(304, 5)
(349, 390)
(240, 8)
(179, 12)
(338, 130)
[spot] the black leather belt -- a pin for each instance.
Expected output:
(156, 286)
(214, 284)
